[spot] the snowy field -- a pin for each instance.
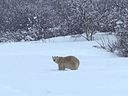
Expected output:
(27, 69)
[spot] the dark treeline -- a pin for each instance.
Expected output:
(23, 20)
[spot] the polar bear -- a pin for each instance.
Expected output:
(69, 62)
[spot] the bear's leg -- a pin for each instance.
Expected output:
(61, 67)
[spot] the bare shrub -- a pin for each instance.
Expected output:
(118, 46)
(76, 36)
(107, 44)
(79, 36)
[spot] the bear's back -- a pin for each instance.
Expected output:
(71, 59)
(70, 62)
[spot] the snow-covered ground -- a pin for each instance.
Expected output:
(27, 69)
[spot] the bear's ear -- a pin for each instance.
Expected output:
(53, 57)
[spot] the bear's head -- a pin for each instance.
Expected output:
(55, 58)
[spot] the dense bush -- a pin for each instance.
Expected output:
(122, 44)
(37, 19)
